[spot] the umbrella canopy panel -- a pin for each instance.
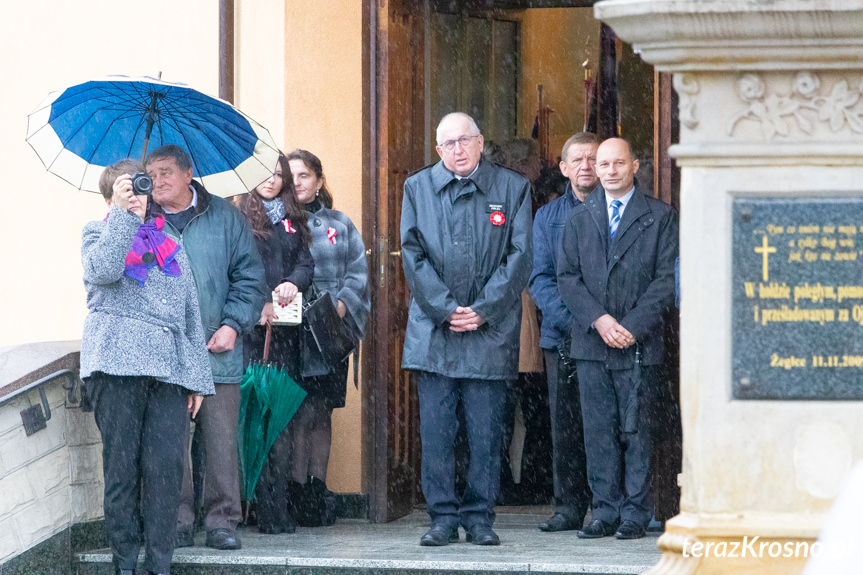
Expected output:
(80, 130)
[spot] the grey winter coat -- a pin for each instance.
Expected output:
(229, 275)
(340, 269)
(465, 245)
(340, 263)
(151, 330)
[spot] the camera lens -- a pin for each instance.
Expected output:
(142, 184)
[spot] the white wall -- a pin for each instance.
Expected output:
(50, 44)
(51, 479)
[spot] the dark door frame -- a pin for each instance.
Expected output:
(375, 64)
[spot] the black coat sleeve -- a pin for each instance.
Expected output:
(302, 269)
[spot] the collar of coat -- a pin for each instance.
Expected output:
(483, 177)
(199, 208)
(637, 210)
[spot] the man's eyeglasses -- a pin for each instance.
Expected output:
(449, 145)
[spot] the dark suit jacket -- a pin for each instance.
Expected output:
(631, 278)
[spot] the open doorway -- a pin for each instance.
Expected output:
(531, 75)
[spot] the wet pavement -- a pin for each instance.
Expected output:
(358, 547)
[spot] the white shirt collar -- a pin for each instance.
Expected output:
(467, 176)
(192, 204)
(624, 200)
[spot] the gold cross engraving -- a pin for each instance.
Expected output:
(765, 252)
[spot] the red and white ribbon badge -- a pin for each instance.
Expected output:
(288, 227)
(497, 218)
(331, 235)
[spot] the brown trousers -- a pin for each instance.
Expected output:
(217, 422)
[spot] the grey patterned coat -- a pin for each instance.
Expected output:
(340, 270)
(340, 263)
(151, 330)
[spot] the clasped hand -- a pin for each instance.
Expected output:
(612, 333)
(464, 319)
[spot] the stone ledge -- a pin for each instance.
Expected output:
(678, 35)
(23, 364)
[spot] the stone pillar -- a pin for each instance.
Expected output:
(771, 151)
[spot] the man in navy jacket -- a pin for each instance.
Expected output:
(616, 277)
(571, 491)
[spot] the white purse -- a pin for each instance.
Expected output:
(291, 314)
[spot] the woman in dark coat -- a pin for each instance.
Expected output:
(281, 231)
(144, 360)
(342, 271)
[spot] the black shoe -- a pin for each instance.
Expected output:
(630, 530)
(223, 538)
(288, 525)
(596, 529)
(438, 536)
(184, 538)
(125, 572)
(268, 529)
(482, 535)
(560, 522)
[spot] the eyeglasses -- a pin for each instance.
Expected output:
(449, 145)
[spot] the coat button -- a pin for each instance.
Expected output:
(615, 257)
(317, 223)
(165, 329)
(455, 243)
(164, 301)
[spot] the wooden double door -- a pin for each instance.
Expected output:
(422, 59)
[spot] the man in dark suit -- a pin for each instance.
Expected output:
(616, 277)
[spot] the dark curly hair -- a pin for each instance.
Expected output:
(252, 207)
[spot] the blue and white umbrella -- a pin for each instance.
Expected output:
(79, 130)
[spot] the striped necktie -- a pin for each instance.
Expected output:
(615, 217)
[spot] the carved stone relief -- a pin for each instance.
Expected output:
(687, 88)
(806, 104)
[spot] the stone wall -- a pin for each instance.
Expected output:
(50, 480)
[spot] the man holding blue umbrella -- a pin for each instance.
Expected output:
(228, 273)
(77, 131)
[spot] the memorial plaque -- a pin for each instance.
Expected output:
(797, 298)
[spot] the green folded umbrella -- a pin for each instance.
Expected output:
(269, 398)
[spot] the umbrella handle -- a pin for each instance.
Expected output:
(267, 342)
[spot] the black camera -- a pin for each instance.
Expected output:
(142, 184)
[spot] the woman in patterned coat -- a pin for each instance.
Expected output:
(342, 271)
(144, 361)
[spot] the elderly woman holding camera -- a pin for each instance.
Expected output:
(144, 361)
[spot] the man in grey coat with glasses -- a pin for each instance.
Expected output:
(466, 251)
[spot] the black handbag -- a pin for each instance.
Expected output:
(326, 335)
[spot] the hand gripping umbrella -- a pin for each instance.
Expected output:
(79, 130)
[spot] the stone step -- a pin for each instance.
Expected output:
(354, 547)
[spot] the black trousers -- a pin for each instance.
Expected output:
(142, 422)
(482, 401)
(618, 463)
(569, 462)
(271, 492)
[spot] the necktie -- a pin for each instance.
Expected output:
(615, 217)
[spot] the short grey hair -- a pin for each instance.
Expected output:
(451, 116)
(579, 138)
